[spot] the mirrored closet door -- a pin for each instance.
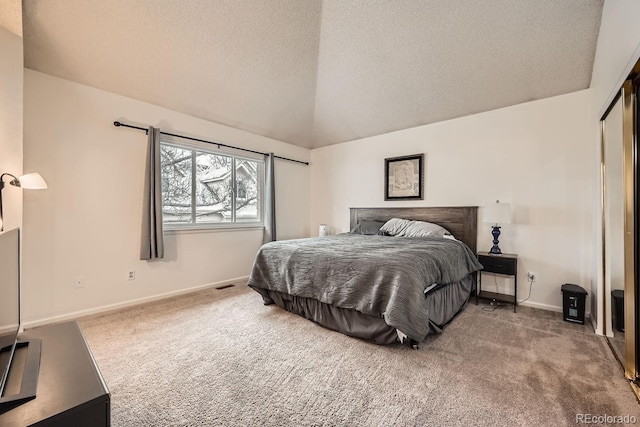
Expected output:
(619, 198)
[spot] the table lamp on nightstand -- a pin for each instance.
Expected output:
(496, 213)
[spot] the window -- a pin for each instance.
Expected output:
(208, 188)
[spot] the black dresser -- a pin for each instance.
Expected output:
(71, 391)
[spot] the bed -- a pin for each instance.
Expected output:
(379, 288)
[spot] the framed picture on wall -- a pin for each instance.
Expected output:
(403, 178)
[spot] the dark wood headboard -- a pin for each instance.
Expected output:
(461, 221)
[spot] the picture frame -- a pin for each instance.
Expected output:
(404, 178)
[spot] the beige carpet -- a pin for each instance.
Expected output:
(221, 358)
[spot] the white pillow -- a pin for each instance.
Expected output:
(407, 228)
(423, 229)
(395, 226)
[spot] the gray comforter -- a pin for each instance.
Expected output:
(376, 275)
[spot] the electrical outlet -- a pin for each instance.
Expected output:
(531, 276)
(78, 282)
(131, 275)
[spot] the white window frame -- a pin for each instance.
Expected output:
(217, 226)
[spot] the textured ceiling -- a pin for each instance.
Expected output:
(11, 16)
(316, 73)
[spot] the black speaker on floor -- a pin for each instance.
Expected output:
(573, 302)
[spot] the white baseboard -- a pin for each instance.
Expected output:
(554, 308)
(110, 307)
(557, 309)
(594, 324)
(547, 307)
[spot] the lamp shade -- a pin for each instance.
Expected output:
(32, 181)
(497, 213)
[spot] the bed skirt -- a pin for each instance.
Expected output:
(445, 302)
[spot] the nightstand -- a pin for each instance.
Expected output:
(506, 264)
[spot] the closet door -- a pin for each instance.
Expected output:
(619, 200)
(613, 222)
(630, 254)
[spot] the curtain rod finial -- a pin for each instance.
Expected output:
(117, 123)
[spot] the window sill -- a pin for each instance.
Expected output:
(217, 229)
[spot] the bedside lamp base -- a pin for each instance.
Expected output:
(496, 233)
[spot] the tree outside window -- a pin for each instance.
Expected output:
(206, 187)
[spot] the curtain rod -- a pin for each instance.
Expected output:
(120, 124)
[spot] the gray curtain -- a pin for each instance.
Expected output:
(270, 200)
(152, 242)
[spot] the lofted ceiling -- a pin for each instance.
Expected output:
(11, 16)
(315, 73)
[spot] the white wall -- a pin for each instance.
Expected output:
(88, 222)
(531, 155)
(11, 81)
(617, 51)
